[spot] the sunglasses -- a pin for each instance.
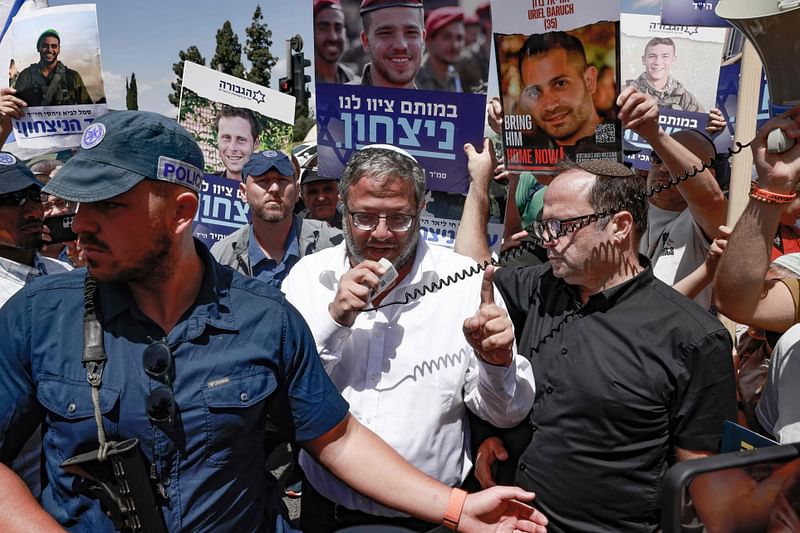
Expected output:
(157, 362)
(20, 198)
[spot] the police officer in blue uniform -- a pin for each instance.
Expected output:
(197, 357)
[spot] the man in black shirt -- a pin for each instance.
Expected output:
(630, 375)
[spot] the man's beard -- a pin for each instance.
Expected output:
(356, 253)
(154, 266)
(272, 216)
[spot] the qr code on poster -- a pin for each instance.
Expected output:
(605, 134)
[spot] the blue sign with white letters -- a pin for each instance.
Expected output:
(222, 210)
(433, 126)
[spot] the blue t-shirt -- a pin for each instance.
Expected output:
(268, 270)
(240, 352)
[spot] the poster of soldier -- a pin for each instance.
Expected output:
(55, 68)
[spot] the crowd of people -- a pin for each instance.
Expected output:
(145, 378)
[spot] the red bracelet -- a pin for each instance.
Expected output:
(769, 197)
(454, 508)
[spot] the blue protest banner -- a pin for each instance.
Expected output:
(691, 13)
(431, 125)
(222, 210)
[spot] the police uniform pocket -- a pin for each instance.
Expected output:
(234, 415)
(71, 411)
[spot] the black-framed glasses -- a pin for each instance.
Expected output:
(553, 228)
(369, 221)
(654, 158)
(157, 362)
(19, 198)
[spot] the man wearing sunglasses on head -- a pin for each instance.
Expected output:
(406, 369)
(196, 357)
(21, 214)
(631, 376)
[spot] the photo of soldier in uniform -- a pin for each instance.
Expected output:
(56, 56)
(49, 81)
(658, 57)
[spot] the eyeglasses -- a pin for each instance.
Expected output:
(553, 228)
(157, 362)
(369, 221)
(654, 158)
(18, 198)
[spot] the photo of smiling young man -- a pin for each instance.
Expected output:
(237, 138)
(658, 58)
(393, 35)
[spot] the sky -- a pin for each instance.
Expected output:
(145, 36)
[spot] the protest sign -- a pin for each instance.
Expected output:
(679, 65)
(691, 13)
(55, 68)
(385, 103)
(230, 118)
(557, 63)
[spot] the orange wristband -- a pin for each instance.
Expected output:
(454, 508)
(769, 197)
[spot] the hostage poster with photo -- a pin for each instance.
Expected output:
(391, 85)
(679, 65)
(55, 68)
(230, 118)
(558, 71)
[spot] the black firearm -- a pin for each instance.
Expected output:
(121, 484)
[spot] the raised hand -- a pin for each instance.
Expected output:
(490, 331)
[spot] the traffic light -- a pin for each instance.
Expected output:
(299, 76)
(285, 85)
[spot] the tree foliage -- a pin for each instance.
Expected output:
(228, 56)
(131, 93)
(257, 50)
(190, 54)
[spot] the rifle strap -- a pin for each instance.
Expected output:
(94, 358)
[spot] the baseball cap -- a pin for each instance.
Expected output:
(14, 174)
(311, 175)
(439, 18)
(319, 5)
(122, 148)
(373, 5)
(261, 162)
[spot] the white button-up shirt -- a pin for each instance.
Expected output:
(407, 370)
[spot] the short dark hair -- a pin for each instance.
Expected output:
(47, 33)
(227, 111)
(541, 43)
(366, 17)
(655, 41)
(617, 188)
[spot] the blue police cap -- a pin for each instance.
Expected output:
(261, 162)
(122, 148)
(14, 174)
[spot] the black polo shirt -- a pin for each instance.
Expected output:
(619, 382)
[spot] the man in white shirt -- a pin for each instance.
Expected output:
(21, 214)
(406, 369)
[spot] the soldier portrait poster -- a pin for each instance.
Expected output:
(689, 64)
(55, 67)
